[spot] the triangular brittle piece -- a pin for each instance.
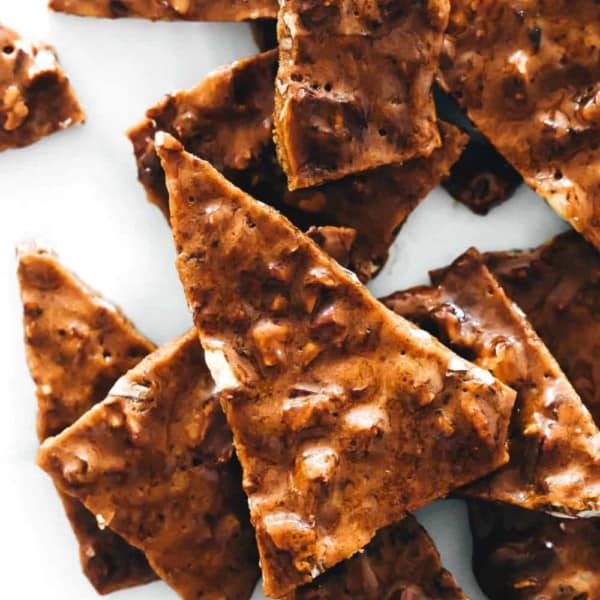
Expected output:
(227, 120)
(353, 90)
(554, 442)
(518, 554)
(36, 98)
(77, 346)
(344, 415)
(558, 287)
(529, 77)
(400, 562)
(525, 555)
(170, 10)
(155, 462)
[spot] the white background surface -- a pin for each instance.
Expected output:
(77, 191)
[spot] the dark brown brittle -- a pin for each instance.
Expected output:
(77, 346)
(170, 10)
(528, 74)
(525, 555)
(36, 98)
(353, 91)
(400, 562)
(481, 178)
(227, 120)
(155, 462)
(554, 442)
(320, 381)
(264, 32)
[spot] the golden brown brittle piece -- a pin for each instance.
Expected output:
(170, 10)
(227, 120)
(520, 554)
(528, 74)
(321, 382)
(77, 346)
(155, 462)
(558, 287)
(36, 98)
(400, 562)
(353, 90)
(554, 443)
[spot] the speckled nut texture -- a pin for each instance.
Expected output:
(558, 287)
(353, 91)
(154, 461)
(36, 98)
(524, 555)
(227, 120)
(170, 10)
(378, 202)
(554, 442)
(77, 346)
(528, 73)
(344, 415)
(400, 562)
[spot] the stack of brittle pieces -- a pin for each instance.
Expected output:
(295, 428)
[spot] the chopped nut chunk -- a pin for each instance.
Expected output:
(157, 465)
(554, 442)
(370, 359)
(528, 75)
(227, 120)
(170, 10)
(353, 91)
(36, 98)
(400, 562)
(77, 346)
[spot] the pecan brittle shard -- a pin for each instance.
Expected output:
(520, 554)
(554, 442)
(155, 462)
(401, 561)
(36, 98)
(77, 345)
(528, 75)
(170, 10)
(353, 90)
(322, 387)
